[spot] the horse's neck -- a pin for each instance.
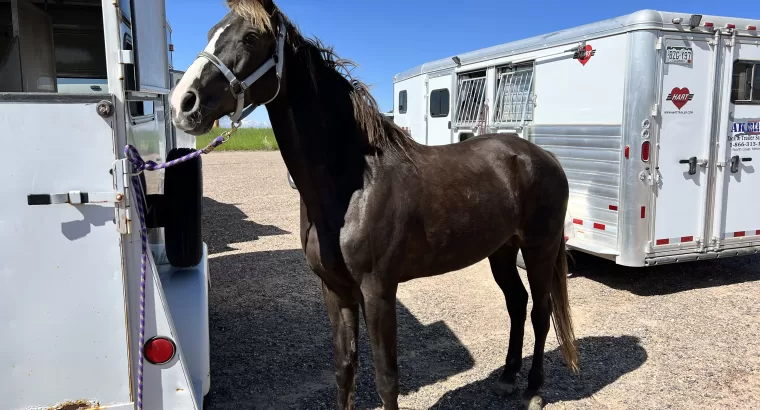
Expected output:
(325, 169)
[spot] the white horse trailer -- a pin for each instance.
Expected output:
(79, 80)
(655, 117)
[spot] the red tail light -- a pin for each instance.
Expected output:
(159, 350)
(645, 151)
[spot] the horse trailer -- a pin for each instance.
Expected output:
(655, 117)
(82, 287)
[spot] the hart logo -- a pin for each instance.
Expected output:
(680, 96)
(584, 54)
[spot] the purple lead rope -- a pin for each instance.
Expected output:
(140, 165)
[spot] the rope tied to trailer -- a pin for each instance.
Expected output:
(140, 165)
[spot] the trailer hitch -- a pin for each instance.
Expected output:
(735, 160)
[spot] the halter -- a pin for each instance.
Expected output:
(238, 87)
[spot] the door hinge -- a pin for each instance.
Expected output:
(121, 181)
(658, 44)
(126, 57)
(656, 110)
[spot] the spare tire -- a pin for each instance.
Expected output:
(183, 198)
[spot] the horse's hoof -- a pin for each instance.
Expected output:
(504, 389)
(535, 403)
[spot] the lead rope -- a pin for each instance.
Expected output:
(139, 166)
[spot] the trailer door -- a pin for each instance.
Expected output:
(679, 164)
(737, 222)
(439, 110)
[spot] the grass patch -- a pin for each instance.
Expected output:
(245, 139)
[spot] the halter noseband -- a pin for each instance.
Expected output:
(238, 87)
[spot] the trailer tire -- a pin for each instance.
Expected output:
(183, 194)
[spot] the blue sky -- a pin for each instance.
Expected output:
(389, 36)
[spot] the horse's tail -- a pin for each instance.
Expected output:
(563, 324)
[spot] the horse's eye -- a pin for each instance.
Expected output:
(250, 38)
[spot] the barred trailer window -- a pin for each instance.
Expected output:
(471, 95)
(514, 95)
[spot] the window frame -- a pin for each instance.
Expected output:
(403, 102)
(754, 81)
(448, 105)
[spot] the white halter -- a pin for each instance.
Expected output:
(238, 87)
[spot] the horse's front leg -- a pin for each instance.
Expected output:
(343, 311)
(380, 317)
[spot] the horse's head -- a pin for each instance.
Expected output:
(240, 66)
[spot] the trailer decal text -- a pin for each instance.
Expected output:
(584, 54)
(746, 135)
(680, 96)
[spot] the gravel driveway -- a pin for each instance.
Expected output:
(681, 336)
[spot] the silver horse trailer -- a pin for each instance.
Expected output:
(79, 80)
(655, 117)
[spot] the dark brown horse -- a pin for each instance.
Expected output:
(377, 208)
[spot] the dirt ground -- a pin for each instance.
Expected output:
(681, 336)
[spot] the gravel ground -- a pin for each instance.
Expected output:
(681, 336)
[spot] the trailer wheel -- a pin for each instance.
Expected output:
(183, 193)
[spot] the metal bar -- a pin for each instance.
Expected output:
(481, 99)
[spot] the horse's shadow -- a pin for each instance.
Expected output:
(603, 360)
(225, 224)
(271, 345)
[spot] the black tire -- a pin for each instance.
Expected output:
(183, 192)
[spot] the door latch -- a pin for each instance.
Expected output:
(735, 160)
(693, 162)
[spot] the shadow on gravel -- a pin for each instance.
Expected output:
(224, 224)
(603, 360)
(271, 346)
(667, 279)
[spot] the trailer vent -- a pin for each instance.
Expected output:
(471, 96)
(514, 98)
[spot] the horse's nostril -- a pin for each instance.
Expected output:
(188, 101)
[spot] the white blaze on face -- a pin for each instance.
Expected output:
(194, 71)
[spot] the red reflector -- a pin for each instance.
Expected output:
(643, 212)
(752, 28)
(708, 24)
(663, 241)
(613, 207)
(687, 239)
(598, 226)
(645, 151)
(731, 26)
(738, 234)
(577, 222)
(159, 350)
(757, 232)
(627, 151)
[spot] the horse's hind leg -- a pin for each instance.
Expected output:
(504, 269)
(540, 259)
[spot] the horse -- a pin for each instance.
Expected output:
(377, 208)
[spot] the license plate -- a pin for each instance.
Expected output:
(679, 55)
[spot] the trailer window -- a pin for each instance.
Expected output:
(402, 102)
(745, 87)
(439, 103)
(471, 99)
(514, 95)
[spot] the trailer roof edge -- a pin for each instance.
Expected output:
(646, 19)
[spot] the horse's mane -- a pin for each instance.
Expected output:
(381, 132)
